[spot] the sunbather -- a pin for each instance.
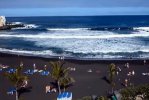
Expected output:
(48, 89)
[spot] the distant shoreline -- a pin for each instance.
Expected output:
(77, 59)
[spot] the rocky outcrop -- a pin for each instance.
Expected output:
(2, 21)
(7, 26)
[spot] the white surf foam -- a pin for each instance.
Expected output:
(26, 26)
(17, 23)
(17, 51)
(66, 29)
(73, 36)
(142, 28)
(91, 43)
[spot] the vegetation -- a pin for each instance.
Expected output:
(90, 98)
(60, 75)
(16, 78)
(130, 93)
(112, 73)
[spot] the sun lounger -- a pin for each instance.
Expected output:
(29, 72)
(11, 91)
(12, 70)
(65, 96)
(60, 96)
(145, 74)
(45, 73)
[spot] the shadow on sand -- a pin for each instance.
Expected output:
(24, 90)
(106, 79)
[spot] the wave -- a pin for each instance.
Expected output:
(26, 26)
(100, 29)
(25, 52)
(73, 36)
(66, 29)
(111, 28)
(142, 28)
(16, 23)
(49, 53)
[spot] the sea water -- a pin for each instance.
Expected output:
(80, 37)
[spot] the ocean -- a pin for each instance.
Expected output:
(79, 37)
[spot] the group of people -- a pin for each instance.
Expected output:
(128, 74)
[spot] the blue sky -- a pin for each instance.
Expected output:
(73, 7)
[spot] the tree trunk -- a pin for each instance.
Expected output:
(16, 94)
(59, 87)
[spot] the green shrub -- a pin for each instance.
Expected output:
(131, 92)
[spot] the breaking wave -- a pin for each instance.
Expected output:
(81, 42)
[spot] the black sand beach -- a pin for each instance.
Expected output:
(86, 83)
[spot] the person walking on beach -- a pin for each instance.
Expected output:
(126, 82)
(34, 66)
(127, 65)
(21, 64)
(144, 62)
(45, 67)
(133, 72)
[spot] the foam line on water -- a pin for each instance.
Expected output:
(41, 36)
(142, 28)
(66, 29)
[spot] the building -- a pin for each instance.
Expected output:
(2, 21)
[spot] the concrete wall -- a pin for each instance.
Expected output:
(2, 21)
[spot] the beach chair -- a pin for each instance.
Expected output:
(11, 70)
(29, 72)
(65, 96)
(60, 97)
(45, 73)
(69, 96)
(11, 91)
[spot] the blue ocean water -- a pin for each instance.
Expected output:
(79, 37)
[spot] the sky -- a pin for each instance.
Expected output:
(73, 7)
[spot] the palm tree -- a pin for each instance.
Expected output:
(60, 74)
(65, 81)
(112, 72)
(16, 79)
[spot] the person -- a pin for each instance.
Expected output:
(21, 64)
(127, 65)
(133, 72)
(53, 90)
(45, 67)
(34, 66)
(144, 62)
(119, 69)
(25, 82)
(129, 74)
(48, 89)
(126, 82)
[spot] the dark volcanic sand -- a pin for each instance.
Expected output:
(86, 84)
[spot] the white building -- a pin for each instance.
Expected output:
(2, 21)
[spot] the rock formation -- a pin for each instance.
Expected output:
(2, 21)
